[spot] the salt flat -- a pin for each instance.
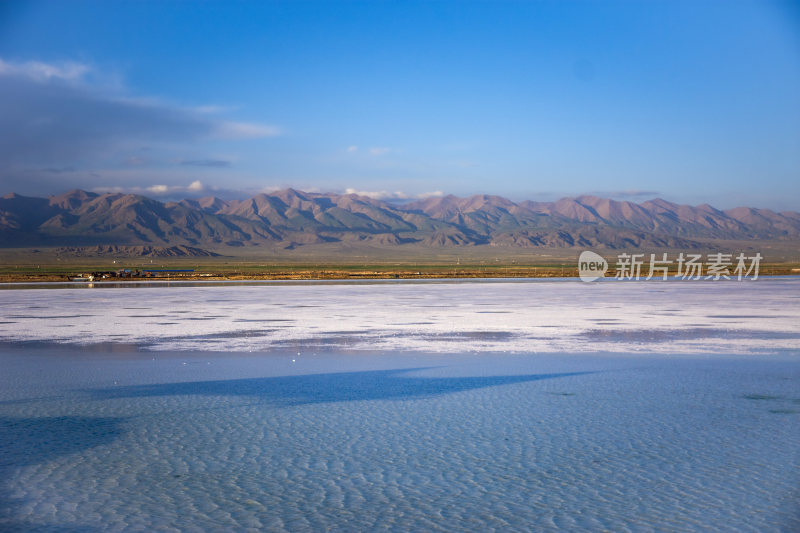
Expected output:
(468, 406)
(451, 316)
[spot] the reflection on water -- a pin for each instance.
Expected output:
(324, 388)
(197, 441)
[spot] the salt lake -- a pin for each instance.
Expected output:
(510, 405)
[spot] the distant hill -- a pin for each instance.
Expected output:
(134, 251)
(291, 219)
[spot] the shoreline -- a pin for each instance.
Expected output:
(343, 274)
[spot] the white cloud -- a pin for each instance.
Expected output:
(38, 71)
(352, 149)
(158, 190)
(196, 189)
(211, 109)
(244, 130)
(629, 193)
(432, 194)
(379, 150)
(211, 163)
(377, 195)
(389, 195)
(59, 115)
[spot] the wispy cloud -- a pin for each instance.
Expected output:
(392, 195)
(58, 170)
(135, 161)
(158, 190)
(628, 193)
(41, 72)
(432, 194)
(243, 130)
(193, 188)
(212, 108)
(373, 151)
(217, 163)
(378, 195)
(55, 115)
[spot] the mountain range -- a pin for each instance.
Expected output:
(290, 218)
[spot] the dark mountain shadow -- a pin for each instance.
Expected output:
(326, 388)
(30, 441)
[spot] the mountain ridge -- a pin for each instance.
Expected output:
(291, 218)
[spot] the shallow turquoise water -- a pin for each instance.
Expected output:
(119, 439)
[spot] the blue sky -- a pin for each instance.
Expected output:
(691, 101)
